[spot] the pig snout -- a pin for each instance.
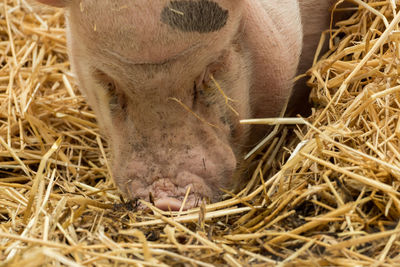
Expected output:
(168, 165)
(192, 171)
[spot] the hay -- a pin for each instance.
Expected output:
(335, 201)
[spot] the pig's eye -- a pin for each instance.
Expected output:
(116, 99)
(195, 94)
(112, 94)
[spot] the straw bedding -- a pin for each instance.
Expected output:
(334, 202)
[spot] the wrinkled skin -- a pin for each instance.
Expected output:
(146, 68)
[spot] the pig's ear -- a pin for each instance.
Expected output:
(57, 3)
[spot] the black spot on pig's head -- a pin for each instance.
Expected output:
(202, 16)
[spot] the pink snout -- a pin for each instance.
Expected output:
(169, 193)
(197, 174)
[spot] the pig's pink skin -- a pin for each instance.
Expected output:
(171, 204)
(141, 74)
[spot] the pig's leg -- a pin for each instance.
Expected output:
(273, 35)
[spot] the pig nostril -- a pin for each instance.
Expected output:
(151, 199)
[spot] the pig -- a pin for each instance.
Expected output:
(169, 81)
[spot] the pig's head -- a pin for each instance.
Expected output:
(145, 67)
